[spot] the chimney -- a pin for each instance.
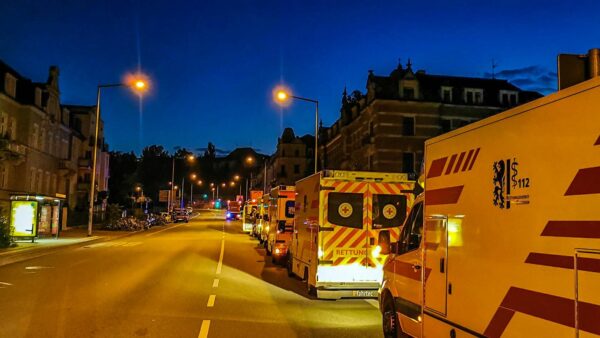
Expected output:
(573, 68)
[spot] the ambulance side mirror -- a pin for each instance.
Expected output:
(384, 241)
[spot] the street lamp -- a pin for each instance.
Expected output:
(172, 197)
(139, 85)
(282, 96)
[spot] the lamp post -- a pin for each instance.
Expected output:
(172, 200)
(138, 85)
(282, 96)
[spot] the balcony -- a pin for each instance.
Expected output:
(66, 167)
(12, 151)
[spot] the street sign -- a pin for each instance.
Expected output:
(163, 195)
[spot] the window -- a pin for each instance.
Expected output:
(3, 175)
(289, 209)
(297, 153)
(446, 94)
(411, 235)
(509, 97)
(283, 153)
(473, 96)
(34, 135)
(43, 140)
(53, 186)
(47, 182)
(345, 209)
(388, 211)
(408, 93)
(371, 129)
(370, 162)
(51, 143)
(296, 168)
(39, 181)
(10, 85)
(12, 129)
(282, 172)
(408, 126)
(408, 162)
(3, 124)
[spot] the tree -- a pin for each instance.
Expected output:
(123, 167)
(154, 170)
(211, 151)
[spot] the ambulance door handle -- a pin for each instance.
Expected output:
(442, 265)
(416, 267)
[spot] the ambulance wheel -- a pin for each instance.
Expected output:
(391, 325)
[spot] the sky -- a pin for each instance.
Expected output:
(213, 64)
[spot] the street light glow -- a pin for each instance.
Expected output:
(199, 182)
(281, 95)
(236, 177)
(193, 176)
(249, 159)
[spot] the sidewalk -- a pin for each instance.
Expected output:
(68, 238)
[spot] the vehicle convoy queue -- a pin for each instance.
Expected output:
(498, 245)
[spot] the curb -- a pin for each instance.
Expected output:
(16, 256)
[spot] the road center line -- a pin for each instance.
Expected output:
(211, 301)
(216, 283)
(220, 264)
(204, 329)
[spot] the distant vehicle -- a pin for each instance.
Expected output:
(508, 228)
(181, 215)
(233, 210)
(338, 217)
(262, 218)
(250, 210)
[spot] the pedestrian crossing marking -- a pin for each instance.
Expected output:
(112, 244)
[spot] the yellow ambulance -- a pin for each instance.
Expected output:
(505, 240)
(261, 218)
(338, 217)
(280, 222)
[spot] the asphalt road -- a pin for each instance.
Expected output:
(201, 279)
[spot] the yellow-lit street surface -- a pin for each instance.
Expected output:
(204, 278)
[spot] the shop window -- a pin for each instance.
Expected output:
(408, 126)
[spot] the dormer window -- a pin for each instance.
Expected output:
(446, 94)
(10, 85)
(509, 97)
(473, 96)
(408, 93)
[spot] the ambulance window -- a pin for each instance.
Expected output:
(289, 209)
(411, 235)
(388, 211)
(345, 209)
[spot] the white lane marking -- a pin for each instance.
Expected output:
(216, 283)
(220, 264)
(37, 267)
(159, 231)
(132, 244)
(211, 301)
(5, 283)
(204, 329)
(373, 302)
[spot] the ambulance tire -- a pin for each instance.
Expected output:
(391, 324)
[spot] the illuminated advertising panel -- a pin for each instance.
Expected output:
(23, 218)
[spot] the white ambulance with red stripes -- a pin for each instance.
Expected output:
(338, 217)
(505, 240)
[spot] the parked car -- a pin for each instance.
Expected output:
(181, 215)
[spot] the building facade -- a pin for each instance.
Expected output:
(293, 159)
(39, 147)
(386, 128)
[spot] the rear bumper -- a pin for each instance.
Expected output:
(246, 227)
(332, 291)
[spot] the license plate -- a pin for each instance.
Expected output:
(365, 293)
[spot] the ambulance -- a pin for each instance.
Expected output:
(338, 217)
(505, 239)
(280, 223)
(263, 209)
(250, 210)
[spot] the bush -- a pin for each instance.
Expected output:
(6, 239)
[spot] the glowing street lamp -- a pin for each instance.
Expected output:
(138, 84)
(282, 96)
